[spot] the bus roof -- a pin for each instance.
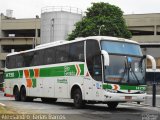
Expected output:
(61, 42)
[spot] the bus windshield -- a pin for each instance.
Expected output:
(121, 48)
(126, 63)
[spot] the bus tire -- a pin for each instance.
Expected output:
(77, 98)
(16, 94)
(112, 105)
(24, 98)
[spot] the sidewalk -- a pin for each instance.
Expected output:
(148, 100)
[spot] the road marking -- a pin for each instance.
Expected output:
(2, 104)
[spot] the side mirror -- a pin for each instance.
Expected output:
(106, 57)
(144, 56)
(153, 61)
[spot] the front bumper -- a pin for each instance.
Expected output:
(124, 97)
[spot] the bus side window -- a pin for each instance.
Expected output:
(7, 62)
(28, 57)
(61, 54)
(37, 58)
(77, 51)
(19, 61)
(12, 62)
(93, 59)
(49, 54)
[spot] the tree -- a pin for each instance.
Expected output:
(104, 17)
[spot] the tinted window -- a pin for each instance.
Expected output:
(93, 57)
(61, 54)
(49, 54)
(121, 48)
(28, 59)
(10, 62)
(77, 51)
(7, 62)
(19, 61)
(37, 58)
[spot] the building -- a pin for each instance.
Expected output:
(58, 22)
(17, 35)
(145, 29)
(22, 34)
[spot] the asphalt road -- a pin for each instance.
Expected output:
(66, 110)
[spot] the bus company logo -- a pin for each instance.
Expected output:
(72, 70)
(31, 76)
(68, 71)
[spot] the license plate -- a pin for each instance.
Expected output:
(128, 97)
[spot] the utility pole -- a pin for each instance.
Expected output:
(154, 90)
(154, 80)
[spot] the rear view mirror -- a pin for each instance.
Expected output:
(153, 61)
(106, 57)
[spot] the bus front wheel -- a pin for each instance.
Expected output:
(78, 101)
(112, 105)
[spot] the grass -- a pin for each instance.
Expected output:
(6, 110)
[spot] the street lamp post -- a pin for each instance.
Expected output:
(154, 80)
(100, 29)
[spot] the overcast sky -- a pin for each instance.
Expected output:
(31, 8)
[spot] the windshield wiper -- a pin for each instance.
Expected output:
(125, 70)
(130, 69)
(141, 62)
(135, 76)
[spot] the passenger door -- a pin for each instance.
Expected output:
(93, 82)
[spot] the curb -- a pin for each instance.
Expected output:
(150, 95)
(145, 105)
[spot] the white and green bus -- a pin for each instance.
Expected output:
(96, 69)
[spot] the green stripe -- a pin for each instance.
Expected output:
(34, 82)
(125, 87)
(13, 74)
(69, 70)
(52, 72)
(20, 73)
(82, 69)
(107, 86)
(31, 72)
